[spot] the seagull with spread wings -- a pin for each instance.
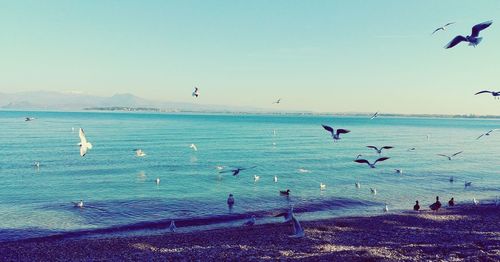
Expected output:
(379, 151)
(443, 27)
(236, 171)
(487, 133)
(450, 157)
(84, 144)
(364, 161)
(335, 134)
(473, 39)
(496, 95)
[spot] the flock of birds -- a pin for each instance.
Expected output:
(473, 39)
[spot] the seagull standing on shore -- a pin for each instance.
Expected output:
(379, 151)
(472, 39)
(443, 27)
(196, 92)
(487, 133)
(364, 161)
(496, 95)
(250, 222)
(84, 144)
(298, 232)
(386, 208)
(335, 135)
(450, 157)
(475, 201)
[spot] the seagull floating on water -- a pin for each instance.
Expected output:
(380, 150)
(443, 27)
(196, 92)
(302, 170)
(78, 204)
(157, 180)
(411, 149)
(452, 179)
(450, 157)
(27, 119)
(193, 146)
(487, 133)
(335, 135)
(364, 161)
(139, 153)
(416, 207)
(496, 95)
(472, 39)
(256, 178)
(275, 179)
(250, 222)
(357, 185)
(36, 164)
(172, 226)
(84, 144)
(322, 186)
(373, 190)
(298, 232)
(399, 171)
(236, 171)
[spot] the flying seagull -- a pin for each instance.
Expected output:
(194, 147)
(335, 135)
(277, 101)
(139, 153)
(287, 215)
(473, 39)
(364, 161)
(374, 115)
(298, 232)
(196, 93)
(380, 150)
(487, 133)
(84, 145)
(496, 95)
(236, 171)
(443, 27)
(29, 119)
(450, 157)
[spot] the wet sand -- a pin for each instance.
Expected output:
(464, 233)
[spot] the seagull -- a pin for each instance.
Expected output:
(416, 207)
(412, 149)
(286, 215)
(357, 157)
(497, 201)
(380, 150)
(475, 201)
(386, 208)
(399, 171)
(256, 178)
(450, 157)
(357, 184)
(277, 101)
(274, 132)
(29, 119)
(451, 202)
(219, 168)
(139, 153)
(452, 179)
(36, 164)
(364, 161)
(335, 135)
(236, 171)
(78, 204)
(428, 137)
(250, 222)
(322, 186)
(230, 200)
(193, 146)
(157, 180)
(275, 179)
(473, 39)
(443, 27)
(302, 170)
(196, 93)
(374, 115)
(373, 190)
(172, 226)
(298, 232)
(285, 193)
(436, 206)
(468, 184)
(496, 95)
(487, 133)
(84, 145)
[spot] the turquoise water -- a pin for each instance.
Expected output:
(120, 192)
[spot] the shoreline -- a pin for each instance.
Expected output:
(461, 233)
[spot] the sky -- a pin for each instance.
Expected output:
(322, 56)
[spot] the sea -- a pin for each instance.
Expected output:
(121, 196)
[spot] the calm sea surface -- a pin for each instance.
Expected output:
(121, 195)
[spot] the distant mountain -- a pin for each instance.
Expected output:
(44, 100)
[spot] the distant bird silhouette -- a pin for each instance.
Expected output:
(373, 190)
(487, 133)
(374, 115)
(416, 207)
(436, 206)
(380, 150)
(412, 149)
(277, 101)
(443, 27)
(386, 208)
(285, 192)
(357, 184)
(196, 92)
(472, 39)
(451, 202)
(467, 184)
(496, 95)
(322, 186)
(335, 135)
(27, 119)
(230, 200)
(399, 171)
(172, 226)
(364, 161)
(358, 156)
(450, 157)
(452, 179)
(250, 222)
(236, 171)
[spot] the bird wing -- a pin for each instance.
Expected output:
(455, 41)
(362, 161)
(83, 150)
(83, 139)
(387, 147)
(448, 24)
(328, 128)
(482, 92)
(227, 171)
(297, 229)
(374, 147)
(342, 131)
(479, 136)
(479, 27)
(374, 115)
(381, 159)
(457, 153)
(437, 30)
(443, 155)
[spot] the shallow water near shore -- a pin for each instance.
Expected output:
(120, 192)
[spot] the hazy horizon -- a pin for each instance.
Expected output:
(320, 56)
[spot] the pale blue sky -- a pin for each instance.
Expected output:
(330, 56)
